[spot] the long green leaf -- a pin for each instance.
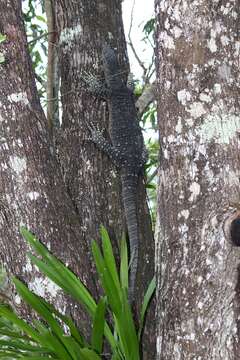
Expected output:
(8, 344)
(74, 331)
(6, 312)
(59, 273)
(55, 345)
(39, 357)
(35, 302)
(88, 354)
(106, 279)
(68, 282)
(39, 326)
(73, 347)
(124, 263)
(35, 243)
(120, 307)
(109, 257)
(65, 279)
(9, 355)
(13, 356)
(98, 326)
(147, 297)
(14, 335)
(40, 307)
(22, 346)
(127, 330)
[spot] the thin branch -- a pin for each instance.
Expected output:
(58, 98)
(150, 71)
(40, 80)
(131, 19)
(40, 37)
(130, 43)
(148, 96)
(51, 85)
(153, 175)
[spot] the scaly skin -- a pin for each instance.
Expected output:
(127, 148)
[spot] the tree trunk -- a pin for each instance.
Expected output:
(32, 190)
(62, 188)
(198, 109)
(92, 180)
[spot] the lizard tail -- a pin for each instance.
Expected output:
(129, 186)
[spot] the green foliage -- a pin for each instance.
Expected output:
(151, 171)
(149, 124)
(138, 89)
(150, 117)
(2, 39)
(47, 339)
(36, 29)
(153, 154)
(2, 276)
(149, 26)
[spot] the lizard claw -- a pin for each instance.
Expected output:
(97, 87)
(86, 77)
(96, 133)
(90, 126)
(93, 128)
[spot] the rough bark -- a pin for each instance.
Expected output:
(62, 196)
(92, 180)
(32, 190)
(198, 108)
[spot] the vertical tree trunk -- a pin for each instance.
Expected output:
(32, 191)
(92, 180)
(63, 199)
(198, 109)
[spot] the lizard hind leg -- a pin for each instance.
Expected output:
(104, 145)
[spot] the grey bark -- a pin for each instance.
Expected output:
(92, 180)
(62, 197)
(32, 189)
(198, 110)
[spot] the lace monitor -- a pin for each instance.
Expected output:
(126, 149)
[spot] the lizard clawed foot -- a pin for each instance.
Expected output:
(96, 133)
(94, 85)
(87, 77)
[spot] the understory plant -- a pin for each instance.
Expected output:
(54, 335)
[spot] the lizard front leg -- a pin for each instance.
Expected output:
(104, 145)
(94, 86)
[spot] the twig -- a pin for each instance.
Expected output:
(150, 71)
(147, 97)
(58, 98)
(153, 175)
(40, 80)
(51, 79)
(131, 44)
(39, 37)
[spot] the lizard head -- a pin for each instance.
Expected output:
(111, 67)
